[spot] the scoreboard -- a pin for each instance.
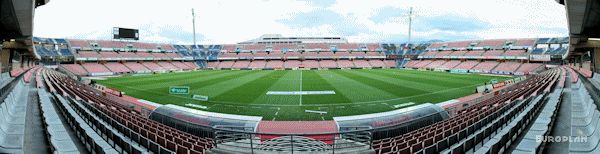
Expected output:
(126, 33)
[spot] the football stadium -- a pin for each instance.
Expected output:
(393, 77)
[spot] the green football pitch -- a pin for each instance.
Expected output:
(337, 92)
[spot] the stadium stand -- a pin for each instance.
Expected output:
(543, 125)
(88, 54)
(467, 65)
(485, 66)
(528, 67)
(117, 67)
(241, 64)
(485, 127)
(12, 119)
(493, 53)
(458, 53)
(75, 69)
(377, 63)
(274, 64)
(362, 63)
(450, 64)
(515, 53)
(226, 64)
(257, 64)
(95, 68)
(292, 64)
(311, 64)
(153, 66)
(328, 64)
(136, 67)
(214, 64)
(57, 133)
(167, 65)
(345, 64)
(131, 133)
(475, 53)
(435, 64)
(390, 63)
(507, 67)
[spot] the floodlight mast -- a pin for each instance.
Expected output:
(194, 25)
(410, 14)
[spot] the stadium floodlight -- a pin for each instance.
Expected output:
(410, 17)
(194, 25)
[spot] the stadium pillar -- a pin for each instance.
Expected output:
(5, 57)
(595, 60)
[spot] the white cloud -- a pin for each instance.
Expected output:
(231, 21)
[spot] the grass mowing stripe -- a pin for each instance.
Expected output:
(240, 90)
(398, 90)
(193, 83)
(424, 83)
(137, 82)
(252, 90)
(403, 81)
(287, 82)
(445, 75)
(201, 88)
(316, 83)
(163, 77)
(161, 95)
(423, 78)
(354, 90)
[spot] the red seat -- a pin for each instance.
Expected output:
(416, 147)
(171, 146)
(161, 141)
(182, 150)
(405, 150)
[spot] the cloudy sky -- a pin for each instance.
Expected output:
(232, 21)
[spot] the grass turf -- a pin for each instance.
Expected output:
(357, 91)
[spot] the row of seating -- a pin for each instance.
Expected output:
(583, 71)
(507, 67)
(18, 71)
(128, 67)
(474, 53)
(509, 132)
(486, 66)
(493, 43)
(543, 124)
(56, 133)
(109, 132)
(274, 64)
(149, 131)
(585, 121)
(290, 55)
(440, 136)
(12, 117)
(118, 44)
(29, 74)
(109, 55)
(92, 140)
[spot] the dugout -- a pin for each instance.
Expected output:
(202, 123)
(393, 123)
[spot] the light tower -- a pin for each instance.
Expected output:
(410, 16)
(194, 25)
